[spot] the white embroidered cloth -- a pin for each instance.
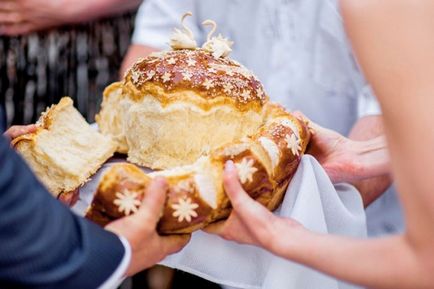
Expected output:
(311, 199)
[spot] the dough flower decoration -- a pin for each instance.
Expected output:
(218, 46)
(293, 144)
(184, 209)
(127, 202)
(183, 38)
(245, 170)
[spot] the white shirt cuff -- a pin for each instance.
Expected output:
(119, 274)
(368, 104)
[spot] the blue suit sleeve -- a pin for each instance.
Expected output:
(43, 244)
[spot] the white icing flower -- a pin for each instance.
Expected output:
(227, 88)
(127, 202)
(187, 75)
(135, 76)
(184, 210)
(166, 76)
(246, 170)
(150, 74)
(293, 144)
(208, 84)
(191, 62)
(171, 61)
(245, 95)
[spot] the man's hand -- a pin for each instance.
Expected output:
(18, 17)
(19, 130)
(250, 222)
(347, 160)
(148, 248)
(24, 16)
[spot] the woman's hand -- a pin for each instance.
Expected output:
(250, 222)
(148, 248)
(19, 130)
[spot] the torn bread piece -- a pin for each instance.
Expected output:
(65, 151)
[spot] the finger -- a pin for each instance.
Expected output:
(153, 202)
(216, 228)
(232, 185)
(10, 17)
(8, 5)
(15, 29)
(298, 114)
(174, 243)
(18, 130)
(252, 214)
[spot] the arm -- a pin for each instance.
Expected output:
(383, 263)
(24, 16)
(135, 51)
(368, 128)
(393, 43)
(44, 245)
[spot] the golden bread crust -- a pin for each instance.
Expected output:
(194, 70)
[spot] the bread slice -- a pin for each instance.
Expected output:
(65, 150)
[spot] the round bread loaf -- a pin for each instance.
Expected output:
(174, 106)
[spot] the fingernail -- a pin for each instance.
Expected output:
(229, 166)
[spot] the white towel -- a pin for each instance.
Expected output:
(311, 199)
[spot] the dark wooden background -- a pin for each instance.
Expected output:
(80, 61)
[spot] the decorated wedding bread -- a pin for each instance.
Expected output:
(187, 111)
(64, 151)
(183, 113)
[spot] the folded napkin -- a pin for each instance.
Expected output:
(311, 199)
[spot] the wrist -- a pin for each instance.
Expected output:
(288, 239)
(371, 158)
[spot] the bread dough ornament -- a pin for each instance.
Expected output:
(183, 39)
(217, 46)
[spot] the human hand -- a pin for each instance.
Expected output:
(19, 130)
(346, 160)
(250, 222)
(19, 17)
(69, 198)
(139, 229)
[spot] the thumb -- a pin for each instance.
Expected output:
(232, 185)
(174, 243)
(18, 130)
(245, 207)
(153, 202)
